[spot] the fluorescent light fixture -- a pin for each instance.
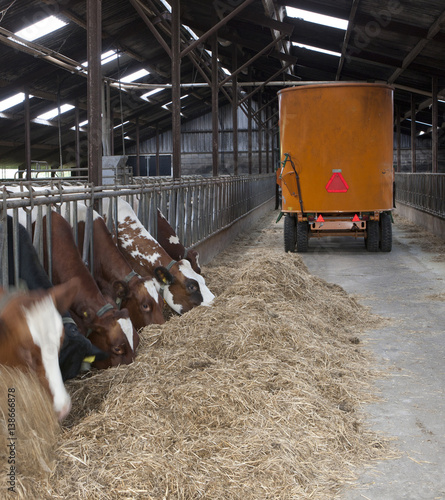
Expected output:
(54, 112)
(151, 93)
(422, 123)
(317, 49)
(313, 17)
(41, 28)
(121, 124)
(135, 76)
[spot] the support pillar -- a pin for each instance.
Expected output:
(176, 88)
(413, 134)
(235, 111)
(434, 121)
(27, 137)
(94, 86)
(215, 87)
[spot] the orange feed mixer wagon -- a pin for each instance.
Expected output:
(336, 173)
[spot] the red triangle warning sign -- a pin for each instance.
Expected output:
(336, 184)
(355, 218)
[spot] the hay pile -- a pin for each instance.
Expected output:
(257, 397)
(28, 432)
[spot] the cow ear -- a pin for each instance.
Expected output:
(64, 294)
(163, 275)
(120, 289)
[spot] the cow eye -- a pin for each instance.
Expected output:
(146, 307)
(192, 287)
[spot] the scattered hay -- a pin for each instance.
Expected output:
(28, 433)
(256, 397)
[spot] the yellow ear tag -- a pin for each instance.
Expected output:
(89, 359)
(85, 314)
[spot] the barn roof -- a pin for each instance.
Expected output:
(398, 42)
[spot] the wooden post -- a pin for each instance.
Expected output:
(413, 134)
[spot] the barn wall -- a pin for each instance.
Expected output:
(196, 145)
(423, 154)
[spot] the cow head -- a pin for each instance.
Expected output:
(31, 333)
(182, 287)
(142, 299)
(114, 333)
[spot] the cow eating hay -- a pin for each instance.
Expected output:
(255, 397)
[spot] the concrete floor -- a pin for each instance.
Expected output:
(408, 286)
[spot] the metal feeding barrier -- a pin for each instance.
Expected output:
(423, 191)
(196, 208)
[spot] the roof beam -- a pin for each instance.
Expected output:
(344, 47)
(432, 32)
(215, 28)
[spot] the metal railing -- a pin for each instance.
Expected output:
(422, 191)
(196, 207)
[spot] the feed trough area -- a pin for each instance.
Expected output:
(258, 396)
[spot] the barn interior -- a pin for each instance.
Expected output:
(279, 390)
(164, 73)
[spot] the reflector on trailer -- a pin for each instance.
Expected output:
(336, 184)
(355, 218)
(320, 218)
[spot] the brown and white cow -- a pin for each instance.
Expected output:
(107, 327)
(31, 334)
(181, 286)
(116, 278)
(169, 241)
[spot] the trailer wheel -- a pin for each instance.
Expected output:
(385, 232)
(372, 241)
(302, 236)
(290, 233)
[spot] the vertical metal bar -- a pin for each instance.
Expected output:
(176, 87)
(15, 245)
(49, 242)
(94, 86)
(4, 243)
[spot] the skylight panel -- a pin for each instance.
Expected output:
(41, 28)
(135, 76)
(12, 101)
(106, 57)
(192, 33)
(151, 93)
(166, 5)
(313, 17)
(54, 112)
(317, 49)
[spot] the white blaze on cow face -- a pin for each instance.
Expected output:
(152, 289)
(186, 269)
(127, 328)
(46, 328)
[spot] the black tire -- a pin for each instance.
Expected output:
(302, 237)
(290, 233)
(372, 240)
(385, 232)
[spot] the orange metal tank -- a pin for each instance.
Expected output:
(339, 137)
